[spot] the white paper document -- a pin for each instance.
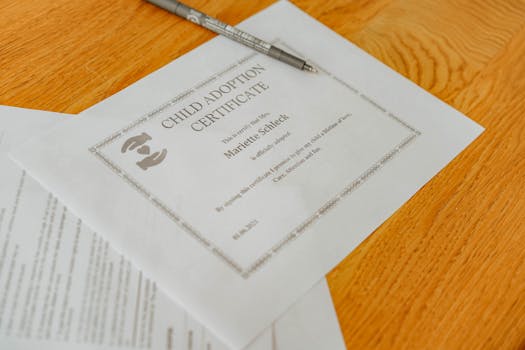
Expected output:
(62, 286)
(236, 181)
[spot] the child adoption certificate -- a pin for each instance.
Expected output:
(237, 182)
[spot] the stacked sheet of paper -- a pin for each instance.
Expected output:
(236, 182)
(64, 287)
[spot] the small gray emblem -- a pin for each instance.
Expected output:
(138, 143)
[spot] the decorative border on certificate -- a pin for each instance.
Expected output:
(246, 272)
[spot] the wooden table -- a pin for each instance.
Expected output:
(448, 269)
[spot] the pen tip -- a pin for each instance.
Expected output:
(309, 68)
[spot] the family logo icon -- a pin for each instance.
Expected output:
(138, 143)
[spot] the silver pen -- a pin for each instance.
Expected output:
(231, 32)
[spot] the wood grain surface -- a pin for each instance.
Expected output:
(447, 270)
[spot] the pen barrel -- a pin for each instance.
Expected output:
(213, 24)
(236, 35)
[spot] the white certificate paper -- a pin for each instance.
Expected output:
(236, 181)
(62, 286)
